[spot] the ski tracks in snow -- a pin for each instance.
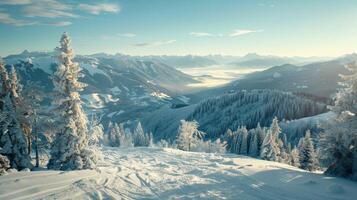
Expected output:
(150, 173)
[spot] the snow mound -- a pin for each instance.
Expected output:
(153, 173)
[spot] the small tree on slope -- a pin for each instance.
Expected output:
(338, 144)
(188, 134)
(70, 148)
(294, 158)
(307, 154)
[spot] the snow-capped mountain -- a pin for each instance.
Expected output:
(115, 84)
(318, 79)
(256, 60)
(187, 61)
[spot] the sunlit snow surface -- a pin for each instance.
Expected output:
(216, 75)
(149, 173)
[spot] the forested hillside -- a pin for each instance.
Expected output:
(230, 111)
(248, 108)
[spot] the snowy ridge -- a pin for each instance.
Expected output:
(150, 173)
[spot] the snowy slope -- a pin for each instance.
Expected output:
(148, 173)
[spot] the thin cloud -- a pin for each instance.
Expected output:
(144, 44)
(36, 11)
(15, 2)
(7, 19)
(41, 9)
(99, 8)
(201, 34)
(240, 32)
(129, 35)
(271, 5)
(48, 9)
(63, 23)
(157, 43)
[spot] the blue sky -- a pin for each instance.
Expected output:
(179, 27)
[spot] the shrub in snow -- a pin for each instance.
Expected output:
(209, 146)
(126, 140)
(4, 164)
(338, 144)
(70, 150)
(162, 144)
(12, 170)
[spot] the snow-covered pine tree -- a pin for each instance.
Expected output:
(151, 140)
(4, 137)
(22, 109)
(338, 144)
(238, 140)
(96, 131)
(126, 140)
(13, 142)
(70, 148)
(284, 156)
(294, 157)
(270, 149)
(244, 143)
(139, 136)
(253, 144)
(307, 154)
(228, 138)
(260, 133)
(114, 135)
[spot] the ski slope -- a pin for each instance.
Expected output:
(154, 173)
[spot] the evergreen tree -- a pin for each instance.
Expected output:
(139, 136)
(294, 158)
(244, 141)
(22, 108)
(270, 149)
(228, 138)
(260, 133)
(96, 132)
(70, 148)
(339, 142)
(307, 154)
(284, 156)
(13, 142)
(253, 146)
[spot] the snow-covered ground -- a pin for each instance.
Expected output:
(149, 173)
